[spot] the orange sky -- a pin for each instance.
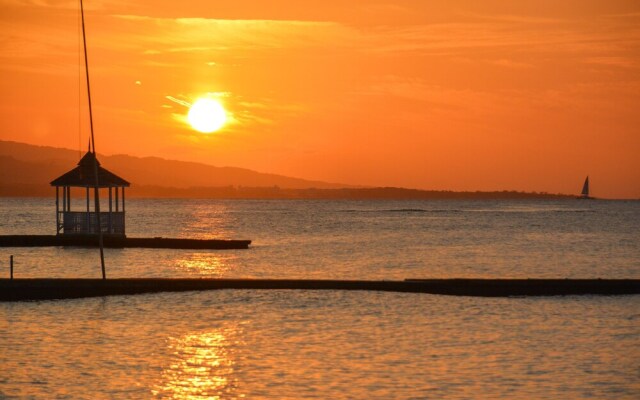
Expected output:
(435, 95)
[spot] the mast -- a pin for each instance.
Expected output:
(93, 148)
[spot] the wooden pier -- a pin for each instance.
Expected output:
(120, 242)
(50, 289)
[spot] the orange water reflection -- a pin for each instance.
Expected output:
(206, 263)
(202, 365)
(207, 221)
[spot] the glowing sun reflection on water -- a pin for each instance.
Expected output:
(206, 263)
(205, 221)
(202, 366)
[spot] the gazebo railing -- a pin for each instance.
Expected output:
(86, 223)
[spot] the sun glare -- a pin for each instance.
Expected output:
(206, 115)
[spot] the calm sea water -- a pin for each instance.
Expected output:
(293, 344)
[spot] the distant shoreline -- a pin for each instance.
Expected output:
(276, 193)
(26, 170)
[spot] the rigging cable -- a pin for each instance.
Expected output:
(93, 145)
(79, 86)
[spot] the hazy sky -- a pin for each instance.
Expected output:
(456, 95)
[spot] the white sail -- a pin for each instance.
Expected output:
(585, 188)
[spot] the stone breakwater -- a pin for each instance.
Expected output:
(51, 289)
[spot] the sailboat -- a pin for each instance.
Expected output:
(585, 190)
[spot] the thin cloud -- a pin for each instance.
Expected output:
(614, 61)
(202, 34)
(65, 5)
(179, 101)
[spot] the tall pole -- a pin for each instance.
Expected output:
(93, 144)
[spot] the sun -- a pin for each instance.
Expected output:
(206, 115)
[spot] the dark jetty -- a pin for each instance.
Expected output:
(49, 289)
(120, 242)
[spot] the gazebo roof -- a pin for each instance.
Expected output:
(83, 175)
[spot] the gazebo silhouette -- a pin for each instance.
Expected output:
(85, 222)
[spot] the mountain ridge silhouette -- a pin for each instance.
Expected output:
(26, 170)
(22, 163)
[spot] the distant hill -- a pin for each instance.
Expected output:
(26, 170)
(31, 168)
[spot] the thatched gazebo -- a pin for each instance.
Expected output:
(85, 222)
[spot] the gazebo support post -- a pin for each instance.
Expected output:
(110, 223)
(96, 198)
(88, 219)
(57, 212)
